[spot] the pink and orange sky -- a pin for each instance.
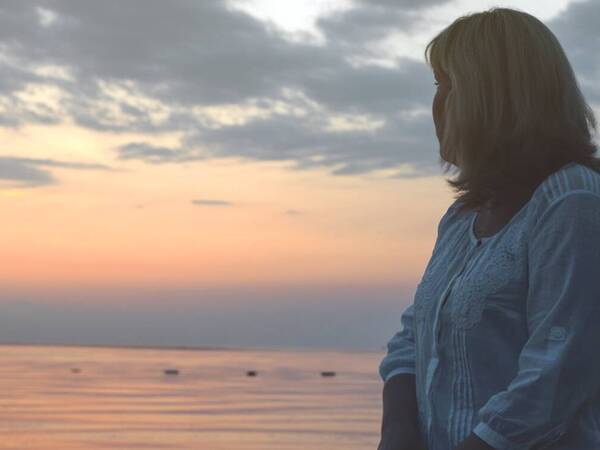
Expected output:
(225, 173)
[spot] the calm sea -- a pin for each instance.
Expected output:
(121, 399)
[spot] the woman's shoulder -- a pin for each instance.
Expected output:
(573, 181)
(573, 178)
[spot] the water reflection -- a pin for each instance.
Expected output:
(122, 399)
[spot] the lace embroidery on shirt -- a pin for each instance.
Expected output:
(469, 298)
(424, 295)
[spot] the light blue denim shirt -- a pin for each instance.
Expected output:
(503, 334)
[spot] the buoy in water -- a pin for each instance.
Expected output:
(251, 373)
(171, 372)
(327, 374)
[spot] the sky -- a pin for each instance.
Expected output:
(226, 173)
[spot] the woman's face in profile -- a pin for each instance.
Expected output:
(437, 108)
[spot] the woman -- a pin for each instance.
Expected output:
(500, 348)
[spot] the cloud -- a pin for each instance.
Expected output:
(281, 137)
(577, 30)
(368, 22)
(232, 85)
(161, 67)
(153, 154)
(31, 172)
(400, 4)
(23, 174)
(207, 202)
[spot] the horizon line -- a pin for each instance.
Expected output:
(188, 347)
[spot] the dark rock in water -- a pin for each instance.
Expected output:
(327, 374)
(251, 373)
(75, 370)
(171, 372)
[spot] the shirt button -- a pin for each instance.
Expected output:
(557, 333)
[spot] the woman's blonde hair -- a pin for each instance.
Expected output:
(515, 112)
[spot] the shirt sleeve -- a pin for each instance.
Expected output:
(558, 367)
(400, 357)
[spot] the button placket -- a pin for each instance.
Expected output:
(432, 368)
(446, 293)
